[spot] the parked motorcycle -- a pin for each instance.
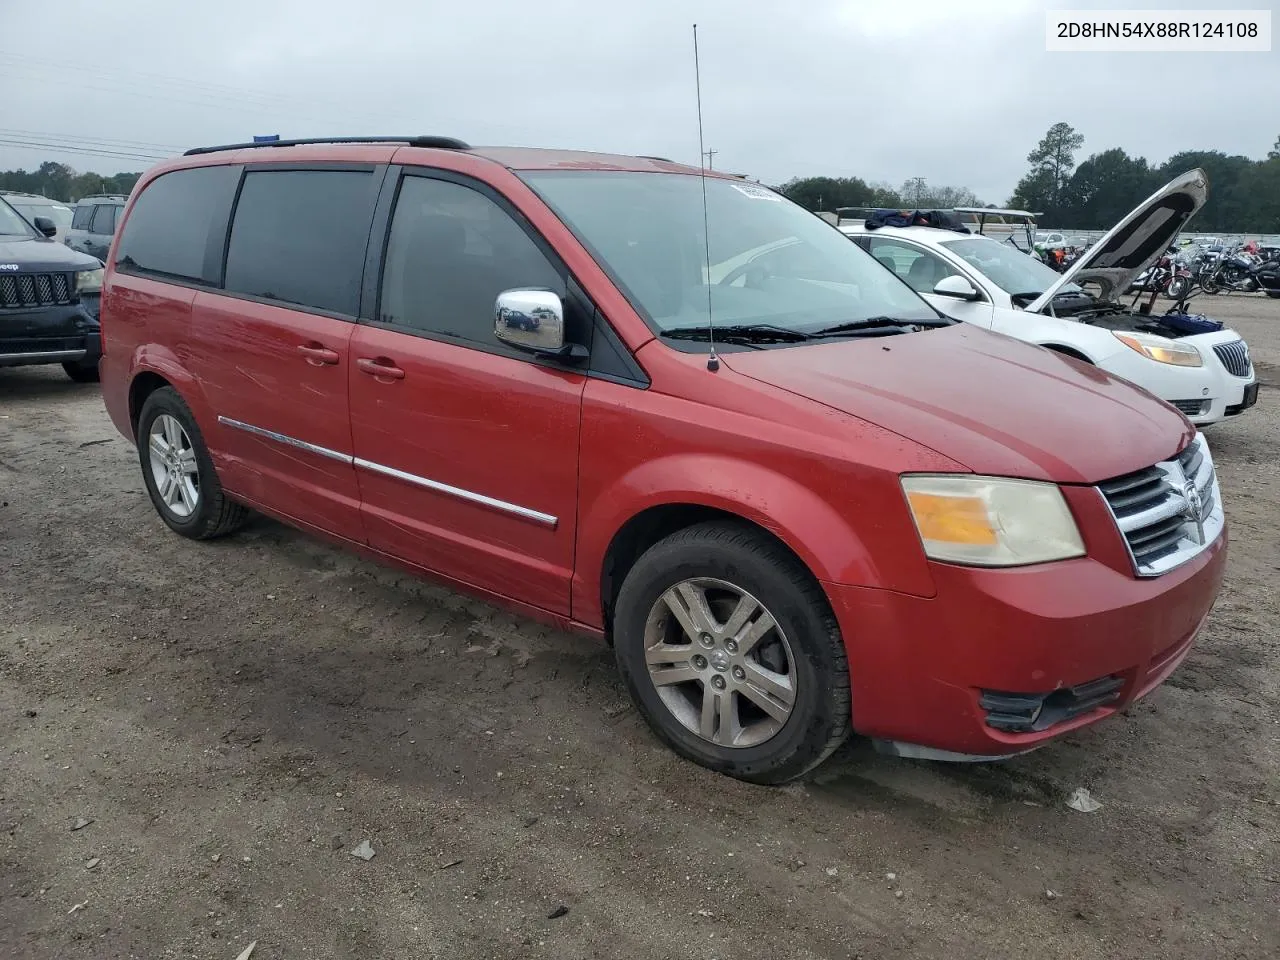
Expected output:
(1232, 271)
(1169, 275)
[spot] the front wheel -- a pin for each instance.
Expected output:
(731, 653)
(1178, 288)
(1210, 285)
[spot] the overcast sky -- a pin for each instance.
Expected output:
(957, 91)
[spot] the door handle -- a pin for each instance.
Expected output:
(318, 356)
(382, 368)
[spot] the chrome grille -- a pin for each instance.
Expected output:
(27, 290)
(1235, 357)
(1169, 512)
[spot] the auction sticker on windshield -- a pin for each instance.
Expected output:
(1158, 31)
(756, 193)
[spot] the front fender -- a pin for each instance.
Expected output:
(821, 536)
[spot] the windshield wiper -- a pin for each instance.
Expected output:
(748, 333)
(879, 326)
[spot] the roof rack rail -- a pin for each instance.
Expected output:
(645, 156)
(439, 143)
(104, 196)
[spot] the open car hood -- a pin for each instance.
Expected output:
(1136, 242)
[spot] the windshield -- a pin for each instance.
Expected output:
(772, 262)
(1008, 268)
(11, 224)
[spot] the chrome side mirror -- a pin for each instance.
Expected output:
(530, 319)
(957, 287)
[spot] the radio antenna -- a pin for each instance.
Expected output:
(713, 362)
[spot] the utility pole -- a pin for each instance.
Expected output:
(710, 155)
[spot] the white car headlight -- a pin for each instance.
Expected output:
(1161, 349)
(991, 521)
(89, 281)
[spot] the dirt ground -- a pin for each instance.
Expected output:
(234, 718)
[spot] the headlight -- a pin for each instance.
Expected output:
(89, 281)
(1161, 350)
(990, 521)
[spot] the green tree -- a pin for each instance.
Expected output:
(1034, 192)
(1106, 187)
(1261, 183)
(1227, 207)
(826, 193)
(1052, 162)
(1274, 153)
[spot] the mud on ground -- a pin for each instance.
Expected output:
(235, 717)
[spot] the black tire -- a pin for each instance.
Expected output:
(1178, 288)
(82, 371)
(1274, 294)
(820, 717)
(215, 515)
(1210, 286)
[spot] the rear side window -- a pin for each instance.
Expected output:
(104, 219)
(299, 237)
(452, 250)
(81, 219)
(169, 231)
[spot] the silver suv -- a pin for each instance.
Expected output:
(94, 224)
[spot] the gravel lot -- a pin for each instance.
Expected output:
(234, 718)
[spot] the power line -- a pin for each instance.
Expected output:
(85, 151)
(77, 139)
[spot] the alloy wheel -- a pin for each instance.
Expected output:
(720, 662)
(174, 467)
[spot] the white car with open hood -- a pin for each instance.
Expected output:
(1208, 376)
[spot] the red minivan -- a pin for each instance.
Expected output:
(797, 500)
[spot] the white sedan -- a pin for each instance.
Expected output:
(1208, 376)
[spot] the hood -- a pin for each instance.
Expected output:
(1136, 242)
(994, 404)
(42, 256)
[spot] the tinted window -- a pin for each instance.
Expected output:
(452, 251)
(168, 230)
(299, 236)
(104, 219)
(81, 219)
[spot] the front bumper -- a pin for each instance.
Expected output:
(68, 334)
(920, 666)
(1204, 394)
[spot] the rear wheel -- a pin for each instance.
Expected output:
(732, 655)
(179, 473)
(82, 371)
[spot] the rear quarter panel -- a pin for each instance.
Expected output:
(141, 318)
